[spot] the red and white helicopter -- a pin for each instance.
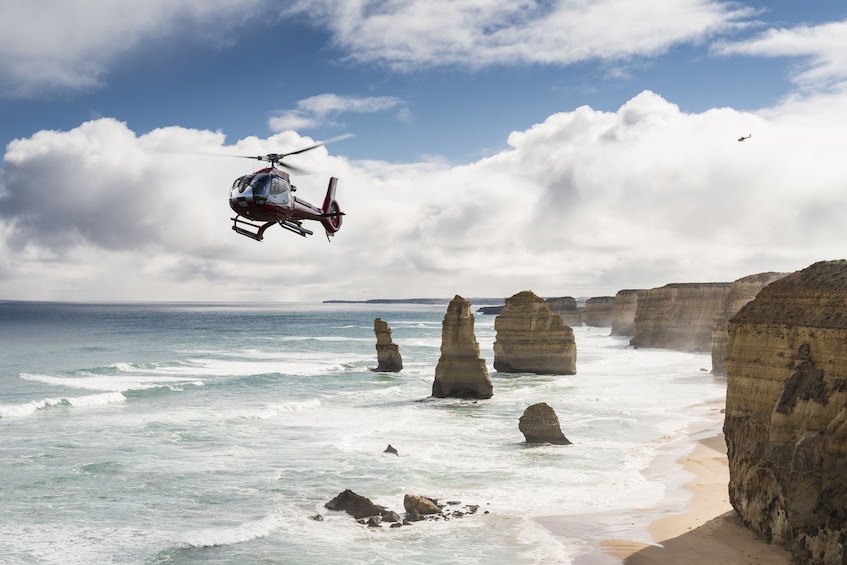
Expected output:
(267, 196)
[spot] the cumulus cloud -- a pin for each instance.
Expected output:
(586, 202)
(324, 109)
(408, 34)
(54, 45)
(823, 49)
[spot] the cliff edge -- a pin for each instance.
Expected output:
(786, 413)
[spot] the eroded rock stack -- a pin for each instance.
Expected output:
(531, 338)
(678, 316)
(539, 424)
(460, 372)
(567, 308)
(740, 293)
(598, 311)
(623, 312)
(786, 412)
(387, 352)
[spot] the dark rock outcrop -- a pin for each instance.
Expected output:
(531, 338)
(354, 504)
(461, 372)
(567, 308)
(598, 311)
(678, 316)
(387, 352)
(539, 424)
(740, 293)
(786, 413)
(623, 312)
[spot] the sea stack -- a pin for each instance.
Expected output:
(531, 338)
(566, 307)
(598, 311)
(786, 413)
(539, 424)
(461, 372)
(387, 352)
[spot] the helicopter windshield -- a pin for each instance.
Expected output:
(261, 185)
(241, 183)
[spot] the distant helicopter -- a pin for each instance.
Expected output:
(267, 196)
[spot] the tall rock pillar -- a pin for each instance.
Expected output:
(460, 372)
(387, 352)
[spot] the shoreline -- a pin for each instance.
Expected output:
(703, 530)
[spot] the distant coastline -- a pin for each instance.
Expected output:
(493, 301)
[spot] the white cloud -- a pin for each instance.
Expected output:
(824, 48)
(324, 109)
(407, 34)
(55, 45)
(585, 203)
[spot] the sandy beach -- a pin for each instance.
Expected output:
(703, 532)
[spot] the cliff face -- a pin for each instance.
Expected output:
(598, 311)
(567, 309)
(740, 293)
(531, 338)
(460, 372)
(623, 312)
(786, 413)
(678, 316)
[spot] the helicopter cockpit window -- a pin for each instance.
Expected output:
(261, 185)
(276, 188)
(241, 183)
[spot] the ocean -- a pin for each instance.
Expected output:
(215, 433)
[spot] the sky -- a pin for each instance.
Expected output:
(568, 147)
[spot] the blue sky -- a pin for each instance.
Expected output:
(481, 128)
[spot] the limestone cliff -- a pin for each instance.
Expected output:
(531, 338)
(460, 372)
(623, 312)
(598, 311)
(740, 293)
(678, 316)
(387, 352)
(567, 309)
(786, 413)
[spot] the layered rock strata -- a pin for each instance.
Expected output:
(623, 312)
(786, 413)
(598, 311)
(678, 316)
(539, 424)
(567, 308)
(531, 338)
(740, 293)
(461, 372)
(387, 352)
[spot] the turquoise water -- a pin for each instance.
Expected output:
(214, 433)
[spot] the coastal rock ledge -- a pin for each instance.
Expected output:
(531, 338)
(460, 372)
(786, 413)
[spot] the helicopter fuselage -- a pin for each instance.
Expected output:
(268, 196)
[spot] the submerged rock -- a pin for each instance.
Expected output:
(354, 504)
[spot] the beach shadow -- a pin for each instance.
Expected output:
(723, 540)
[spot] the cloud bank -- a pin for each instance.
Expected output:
(585, 203)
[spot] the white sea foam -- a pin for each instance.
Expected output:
(229, 535)
(29, 408)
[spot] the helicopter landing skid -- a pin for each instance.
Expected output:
(257, 235)
(295, 227)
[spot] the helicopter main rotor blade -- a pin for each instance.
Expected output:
(318, 144)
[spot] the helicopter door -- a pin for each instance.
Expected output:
(280, 191)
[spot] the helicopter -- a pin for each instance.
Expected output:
(267, 197)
